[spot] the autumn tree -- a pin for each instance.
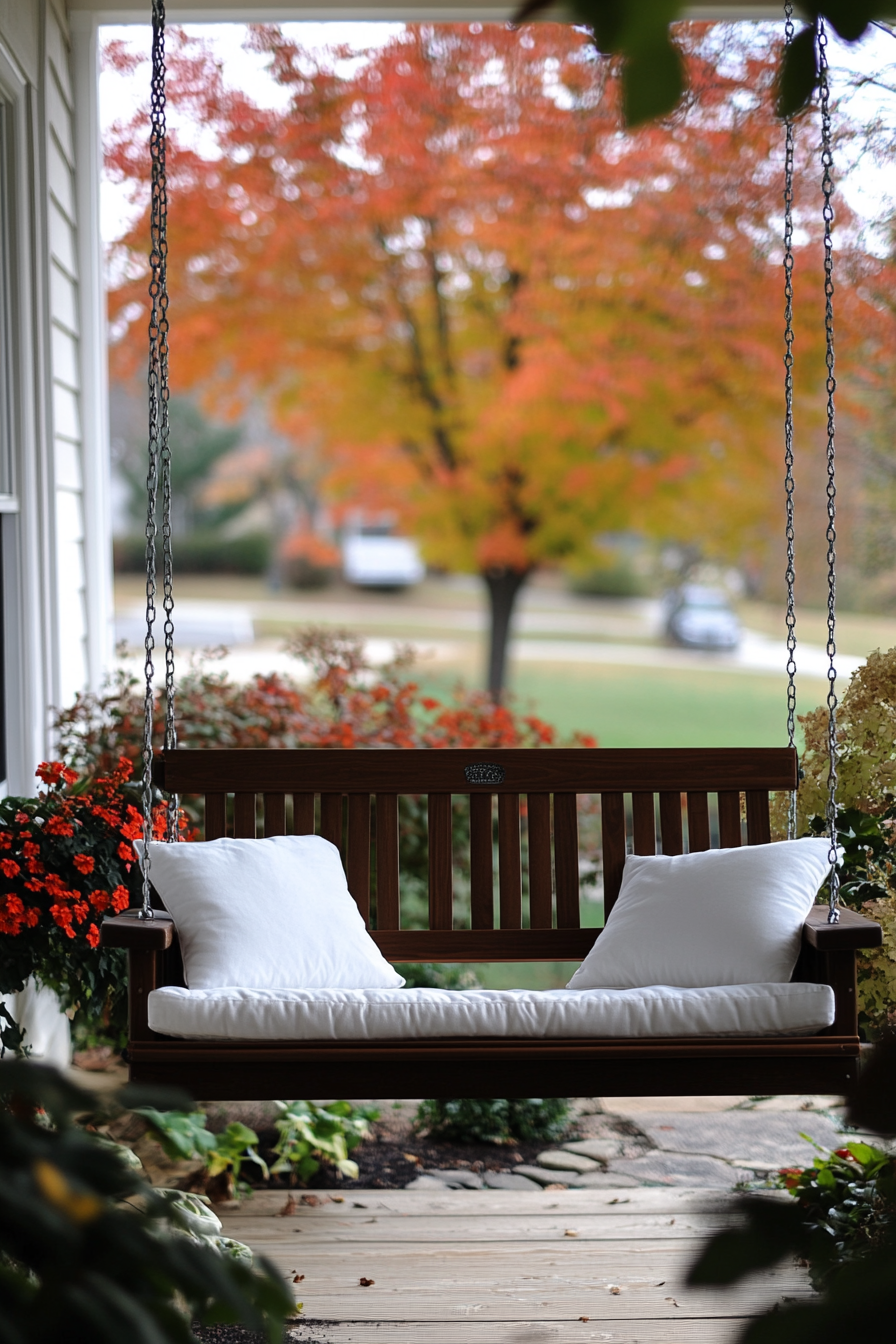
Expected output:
(514, 324)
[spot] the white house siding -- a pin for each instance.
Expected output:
(65, 358)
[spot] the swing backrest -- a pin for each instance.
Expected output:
(646, 801)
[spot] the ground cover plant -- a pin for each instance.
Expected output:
(90, 1254)
(494, 1119)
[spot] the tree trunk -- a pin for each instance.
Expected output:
(503, 589)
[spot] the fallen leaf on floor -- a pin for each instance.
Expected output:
(337, 1199)
(661, 1284)
(619, 1201)
(672, 1300)
(298, 1278)
(359, 1206)
(570, 1232)
(584, 1318)
(366, 1283)
(411, 1157)
(671, 1221)
(289, 1207)
(311, 1200)
(614, 1289)
(556, 1185)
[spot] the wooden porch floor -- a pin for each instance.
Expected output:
(494, 1267)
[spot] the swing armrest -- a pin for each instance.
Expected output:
(138, 935)
(853, 932)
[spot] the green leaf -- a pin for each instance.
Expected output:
(653, 81)
(799, 74)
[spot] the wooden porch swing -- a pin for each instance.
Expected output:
(664, 799)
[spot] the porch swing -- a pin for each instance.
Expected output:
(793, 1031)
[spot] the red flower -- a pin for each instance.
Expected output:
(36, 867)
(57, 826)
(82, 910)
(14, 906)
(62, 915)
(120, 899)
(126, 852)
(5, 840)
(84, 863)
(839, 1152)
(792, 1176)
(9, 868)
(35, 884)
(54, 772)
(100, 900)
(93, 936)
(30, 849)
(22, 818)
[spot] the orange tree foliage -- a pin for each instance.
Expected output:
(506, 319)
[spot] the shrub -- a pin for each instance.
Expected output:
(432, 975)
(200, 553)
(866, 820)
(494, 1119)
(67, 859)
(311, 1135)
(615, 580)
(90, 1252)
(308, 561)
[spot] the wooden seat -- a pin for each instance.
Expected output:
(649, 800)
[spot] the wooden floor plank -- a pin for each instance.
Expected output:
(711, 1330)
(614, 1281)
(453, 1228)
(500, 1203)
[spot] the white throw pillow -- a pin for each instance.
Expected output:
(266, 914)
(720, 917)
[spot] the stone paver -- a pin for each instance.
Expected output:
(600, 1150)
(425, 1183)
(676, 1169)
(604, 1180)
(769, 1140)
(545, 1177)
(504, 1180)
(556, 1160)
(457, 1178)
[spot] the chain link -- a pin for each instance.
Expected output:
(827, 186)
(159, 455)
(790, 572)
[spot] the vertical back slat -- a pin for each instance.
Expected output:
(612, 824)
(510, 885)
(729, 819)
(357, 864)
(643, 823)
(387, 893)
(482, 891)
(759, 831)
(303, 814)
(244, 815)
(670, 823)
(441, 875)
(215, 815)
(331, 818)
(698, 822)
(275, 814)
(541, 914)
(566, 860)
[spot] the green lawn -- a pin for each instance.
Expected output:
(652, 707)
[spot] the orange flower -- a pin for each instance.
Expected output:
(22, 818)
(30, 849)
(120, 899)
(100, 900)
(84, 863)
(93, 936)
(82, 910)
(9, 868)
(54, 772)
(57, 826)
(126, 853)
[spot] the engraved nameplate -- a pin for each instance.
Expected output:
(484, 772)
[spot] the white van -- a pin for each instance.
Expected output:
(373, 558)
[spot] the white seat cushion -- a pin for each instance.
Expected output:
(398, 1014)
(717, 917)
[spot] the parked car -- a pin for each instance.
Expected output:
(701, 618)
(373, 558)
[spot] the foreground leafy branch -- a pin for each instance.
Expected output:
(90, 1254)
(654, 79)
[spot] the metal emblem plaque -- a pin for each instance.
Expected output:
(484, 772)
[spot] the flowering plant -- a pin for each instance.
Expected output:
(66, 859)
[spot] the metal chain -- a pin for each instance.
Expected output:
(827, 187)
(790, 573)
(160, 248)
(158, 416)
